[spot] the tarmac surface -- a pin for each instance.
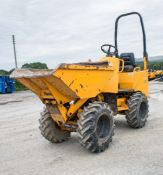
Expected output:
(23, 151)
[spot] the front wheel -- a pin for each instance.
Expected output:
(137, 112)
(50, 130)
(96, 127)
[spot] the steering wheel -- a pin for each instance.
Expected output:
(108, 51)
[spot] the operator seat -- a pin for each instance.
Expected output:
(129, 61)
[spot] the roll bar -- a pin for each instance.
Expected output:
(145, 54)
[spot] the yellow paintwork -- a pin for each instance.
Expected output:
(76, 83)
(121, 104)
(151, 75)
(145, 63)
(136, 81)
(158, 72)
(74, 107)
(88, 81)
(155, 74)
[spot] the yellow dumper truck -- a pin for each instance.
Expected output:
(84, 97)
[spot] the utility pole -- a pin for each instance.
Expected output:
(13, 40)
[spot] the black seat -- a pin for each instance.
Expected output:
(129, 61)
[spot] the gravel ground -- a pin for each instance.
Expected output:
(23, 151)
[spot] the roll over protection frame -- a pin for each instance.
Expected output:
(145, 54)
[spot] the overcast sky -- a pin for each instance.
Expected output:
(55, 31)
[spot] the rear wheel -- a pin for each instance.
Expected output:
(137, 113)
(96, 126)
(50, 130)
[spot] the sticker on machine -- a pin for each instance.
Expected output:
(131, 73)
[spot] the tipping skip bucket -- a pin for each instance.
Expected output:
(69, 81)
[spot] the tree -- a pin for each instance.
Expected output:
(152, 65)
(3, 72)
(35, 65)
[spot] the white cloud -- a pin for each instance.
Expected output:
(57, 31)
